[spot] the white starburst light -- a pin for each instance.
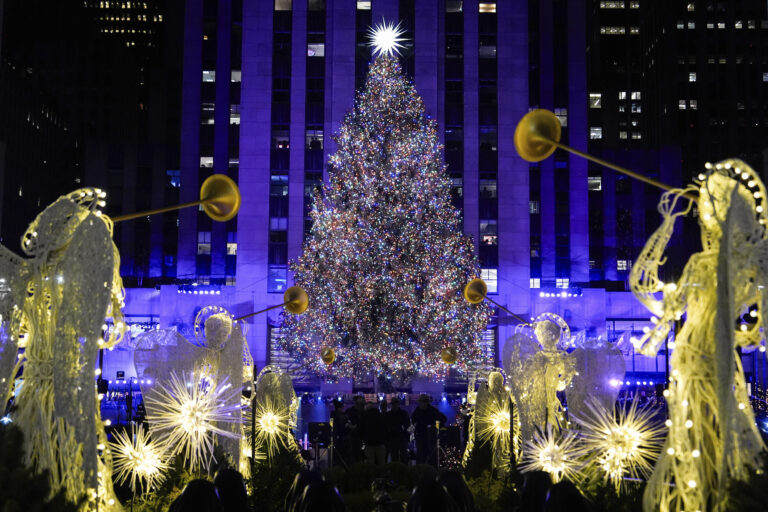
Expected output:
(385, 38)
(138, 458)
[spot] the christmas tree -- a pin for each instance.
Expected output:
(386, 260)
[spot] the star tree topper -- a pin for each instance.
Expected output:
(385, 38)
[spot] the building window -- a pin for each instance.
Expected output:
(595, 132)
(637, 135)
(595, 100)
(450, 5)
(680, 24)
(613, 30)
(636, 108)
(174, 178)
(562, 282)
(282, 5)
(765, 77)
(721, 25)
(595, 183)
(236, 76)
(207, 113)
(277, 279)
(623, 265)
(232, 243)
(691, 7)
(622, 134)
(611, 5)
(681, 104)
(562, 115)
(487, 7)
(634, 5)
(692, 76)
(738, 25)
(316, 50)
(204, 242)
(314, 139)
(533, 207)
(636, 95)
(209, 76)
(622, 95)
(535, 282)
(691, 25)
(234, 114)
(694, 104)
(490, 276)
(751, 24)
(206, 162)
(634, 30)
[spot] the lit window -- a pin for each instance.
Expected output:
(751, 24)
(622, 107)
(622, 134)
(710, 26)
(634, 5)
(277, 278)
(612, 30)
(236, 75)
(562, 115)
(634, 30)
(691, 7)
(535, 282)
(209, 76)
(636, 108)
(637, 135)
(740, 105)
(595, 183)
(738, 25)
(681, 105)
(721, 25)
(206, 161)
(595, 100)
(722, 60)
(234, 114)
(611, 5)
(765, 77)
(622, 95)
(692, 76)
(490, 276)
(232, 243)
(204, 242)
(487, 7)
(636, 95)
(282, 5)
(595, 132)
(316, 50)
(207, 113)
(314, 139)
(450, 5)
(680, 24)
(562, 282)
(622, 265)
(533, 207)
(694, 104)
(174, 178)
(231, 281)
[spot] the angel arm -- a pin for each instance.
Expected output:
(644, 277)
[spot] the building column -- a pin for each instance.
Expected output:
(471, 177)
(297, 130)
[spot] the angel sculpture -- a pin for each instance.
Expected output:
(218, 357)
(275, 412)
(58, 300)
(539, 371)
(492, 422)
(712, 437)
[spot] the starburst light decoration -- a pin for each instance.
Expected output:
(138, 458)
(187, 412)
(623, 444)
(558, 454)
(272, 427)
(385, 38)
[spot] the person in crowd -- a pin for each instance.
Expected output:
(457, 488)
(425, 418)
(429, 495)
(340, 433)
(397, 422)
(354, 417)
(231, 489)
(374, 435)
(564, 496)
(198, 496)
(319, 496)
(535, 488)
(300, 482)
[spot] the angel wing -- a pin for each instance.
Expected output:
(526, 379)
(159, 353)
(14, 275)
(599, 368)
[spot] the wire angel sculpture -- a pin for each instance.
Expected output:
(540, 369)
(56, 302)
(218, 355)
(712, 433)
(275, 412)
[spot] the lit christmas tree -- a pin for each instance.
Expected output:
(386, 260)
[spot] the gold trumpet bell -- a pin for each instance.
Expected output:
(328, 355)
(296, 300)
(449, 355)
(536, 135)
(221, 197)
(475, 291)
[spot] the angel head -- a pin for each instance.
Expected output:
(53, 227)
(495, 381)
(548, 333)
(218, 329)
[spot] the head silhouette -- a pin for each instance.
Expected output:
(300, 482)
(320, 496)
(198, 496)
(429, 495)
(457, 488)
(231, 488)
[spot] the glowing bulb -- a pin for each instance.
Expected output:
(666, 393)
(695, 454)
(685, 403)
(742, 406)
(688, 424)
(668, 423)
(691, 483)
(670, 451)
(97, 371)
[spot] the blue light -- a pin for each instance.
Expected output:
(5, 420)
